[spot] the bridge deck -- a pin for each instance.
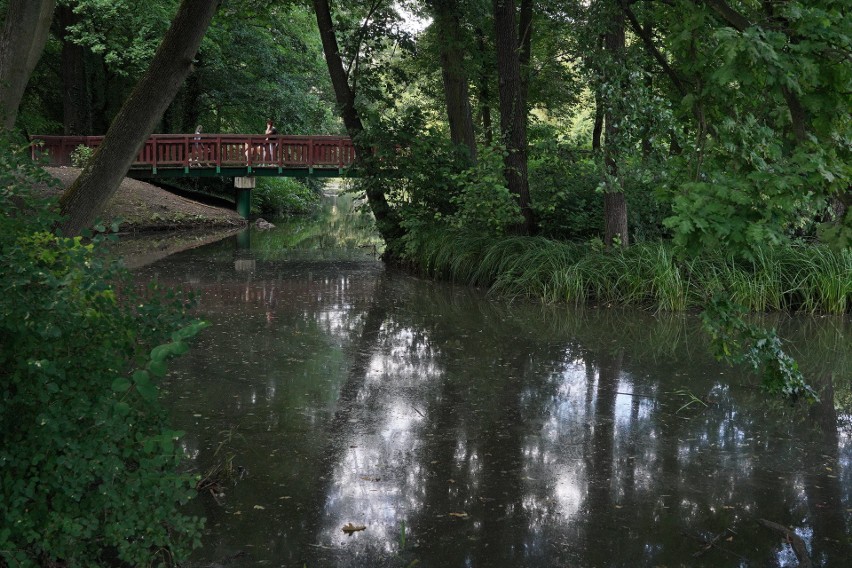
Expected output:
(229, 155)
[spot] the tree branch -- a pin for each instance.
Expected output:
(649, 45)
(728, 14)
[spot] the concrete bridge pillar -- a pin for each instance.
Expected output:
(242, 194)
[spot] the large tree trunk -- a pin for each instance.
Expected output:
(615, 205)
(136, 120)
(455, 79)
(386, 221)
(22, 40)
(513, 111)
(75, 92)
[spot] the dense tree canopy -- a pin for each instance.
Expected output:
(618, 151)
(715, 123)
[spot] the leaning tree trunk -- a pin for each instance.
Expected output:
(387, 222)
(75, 92)
(455, 79)
(136, 120)
(513, 111)
(22, 40)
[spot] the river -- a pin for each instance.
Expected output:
(461, 430)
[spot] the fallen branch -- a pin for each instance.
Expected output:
(795, 541)
(713, 543)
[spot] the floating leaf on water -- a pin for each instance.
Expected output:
(461, 515)
(349, 528)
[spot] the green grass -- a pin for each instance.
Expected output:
(812, 279)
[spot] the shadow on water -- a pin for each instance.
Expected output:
(463, 431)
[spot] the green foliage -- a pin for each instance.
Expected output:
(762, 167)
(739, 342)
(279, 197)
(88, 466)
(81, 156)
(563, 184)
(257, 61)
(125, 33)
(752, 194)
(415, 166)
(484, 203)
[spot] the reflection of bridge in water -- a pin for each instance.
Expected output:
(240, 156)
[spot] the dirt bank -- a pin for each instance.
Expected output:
(156, 223)
(147, 208)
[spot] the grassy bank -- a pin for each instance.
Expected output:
(811, 279)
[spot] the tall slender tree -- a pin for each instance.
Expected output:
(615, 204)
(386, 220)
(135, 122)
(76, 109)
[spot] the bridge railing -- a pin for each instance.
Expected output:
(171, 151)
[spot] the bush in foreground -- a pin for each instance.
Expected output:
(88, 467)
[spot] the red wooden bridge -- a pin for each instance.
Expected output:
(227, 155)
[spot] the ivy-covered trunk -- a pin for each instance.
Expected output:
(513, 111)
(455, 80)
(615, 205)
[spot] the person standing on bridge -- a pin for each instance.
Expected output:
(270, 131)
(196, 146)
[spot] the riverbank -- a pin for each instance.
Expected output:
(811, 279)
(156, 223)
(146, 208)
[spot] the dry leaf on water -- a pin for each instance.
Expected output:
(349, 528)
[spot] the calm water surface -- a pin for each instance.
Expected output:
(464, 431)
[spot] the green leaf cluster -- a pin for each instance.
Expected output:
(740, 342)
(89, 470)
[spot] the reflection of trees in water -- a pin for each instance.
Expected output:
(558, 428)
(649, 472)
(340, 230)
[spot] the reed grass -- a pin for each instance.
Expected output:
(812, 279)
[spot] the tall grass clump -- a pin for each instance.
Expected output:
(823, 278)
(655, 276)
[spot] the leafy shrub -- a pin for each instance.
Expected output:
(565, 187)
(88, 465)
(563, 190)
(484, 203)
(278, 197)
(81, 156)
